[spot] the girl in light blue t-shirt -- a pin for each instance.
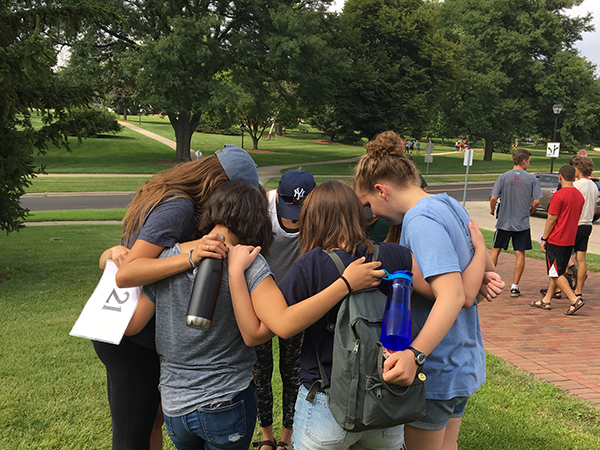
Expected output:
(436, 229)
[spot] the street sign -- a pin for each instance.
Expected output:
(468, 158)
(553, 149)
(582, 153)
(429, 148)
(428, 158)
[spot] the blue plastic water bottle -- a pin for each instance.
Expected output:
(397, 322)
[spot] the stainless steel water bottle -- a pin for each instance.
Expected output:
(204, 293)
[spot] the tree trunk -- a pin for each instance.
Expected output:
(278, 129)
(184, 126)
(489, 149)
(124, 112)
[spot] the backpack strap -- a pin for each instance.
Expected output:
(340, 265)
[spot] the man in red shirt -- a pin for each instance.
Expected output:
(559, 237)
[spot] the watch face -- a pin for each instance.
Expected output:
(420, 358)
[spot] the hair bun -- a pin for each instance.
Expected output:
(385, 144)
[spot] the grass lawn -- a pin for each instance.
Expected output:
(52, 385)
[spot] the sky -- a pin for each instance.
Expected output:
(589, 47)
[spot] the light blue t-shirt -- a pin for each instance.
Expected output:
(436, 231)
(198, 367)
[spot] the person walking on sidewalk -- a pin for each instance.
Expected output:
(584, 166)
(515, 189)
(559, 237)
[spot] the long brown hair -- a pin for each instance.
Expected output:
(333, 217)
(385, 161)
(194, 180)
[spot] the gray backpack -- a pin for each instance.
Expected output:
(358, 397)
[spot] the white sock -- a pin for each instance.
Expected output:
(515, 286)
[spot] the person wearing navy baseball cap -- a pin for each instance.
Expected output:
(285, 204)
(293, 188)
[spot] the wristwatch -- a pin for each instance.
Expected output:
(420, 357)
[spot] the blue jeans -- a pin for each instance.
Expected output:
(223, 427)
(316, 429)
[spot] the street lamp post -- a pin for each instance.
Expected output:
(243, 128)
(557, 108)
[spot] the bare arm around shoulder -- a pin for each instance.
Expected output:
(287, 321)
(253, 331)
(141, 266)
(478, 277)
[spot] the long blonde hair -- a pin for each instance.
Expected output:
(385, 160)
(194, 180)
(333, 217)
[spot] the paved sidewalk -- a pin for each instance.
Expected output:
(561, 349)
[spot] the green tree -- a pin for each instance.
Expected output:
(398, 65)
(30, 34)
(508, 63)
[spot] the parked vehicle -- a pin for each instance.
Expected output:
(549, 185)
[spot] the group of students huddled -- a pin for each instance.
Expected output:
(210, 385)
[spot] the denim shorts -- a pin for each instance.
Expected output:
(316, 429)
(223, 427)
(439, 412)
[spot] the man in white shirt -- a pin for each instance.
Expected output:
(584, 166)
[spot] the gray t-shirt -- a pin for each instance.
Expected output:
(198, 367)
(515, 189)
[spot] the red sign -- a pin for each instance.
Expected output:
(582, 153)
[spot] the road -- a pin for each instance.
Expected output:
(479, 191)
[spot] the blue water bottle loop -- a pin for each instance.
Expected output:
(398, 274)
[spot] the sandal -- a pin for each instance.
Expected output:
(574, 307)
(271, 444)
(557, 294)
(284, 446)
(541, 304)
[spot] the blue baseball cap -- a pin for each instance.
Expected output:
(293, 188)
(238, 164)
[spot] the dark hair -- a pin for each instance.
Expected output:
(385, 161)
(243, 209)
(333, 217)
(520, 155)
(567, 172)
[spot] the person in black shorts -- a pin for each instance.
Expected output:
(559, 237)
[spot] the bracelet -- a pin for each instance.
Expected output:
(194, 266)
(544, 240)
(347, 284)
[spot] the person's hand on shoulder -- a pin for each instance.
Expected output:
(361, 275)
(241, 256)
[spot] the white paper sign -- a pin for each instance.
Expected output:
(108, 311)
(428, 158)
(468, 161)
(553, 149)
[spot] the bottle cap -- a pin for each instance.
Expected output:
(398, 274)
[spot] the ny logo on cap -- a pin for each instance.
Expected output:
(299, 193)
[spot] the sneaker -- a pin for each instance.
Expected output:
(514, 292)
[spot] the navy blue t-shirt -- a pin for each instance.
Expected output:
(172, 221)
(312, 273)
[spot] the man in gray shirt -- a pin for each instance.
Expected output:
(516, 188)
